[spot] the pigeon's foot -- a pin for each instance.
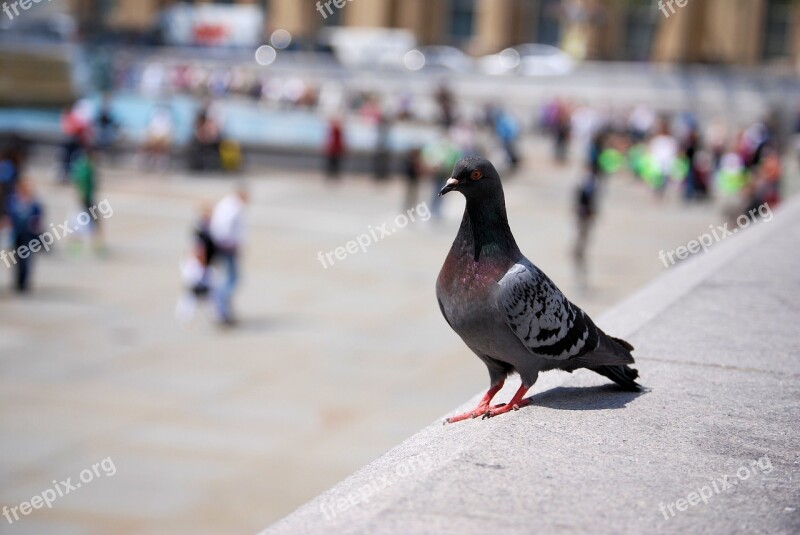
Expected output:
(466, 416)
(482, 408)
(478, 412)
(515, 404)
(504, 408)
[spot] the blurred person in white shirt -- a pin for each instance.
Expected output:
(663, 148)
(227, 232)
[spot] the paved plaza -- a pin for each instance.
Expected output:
(226, 430)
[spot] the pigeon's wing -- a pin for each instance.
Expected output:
(544, 320)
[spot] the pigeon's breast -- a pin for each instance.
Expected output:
(467, 293)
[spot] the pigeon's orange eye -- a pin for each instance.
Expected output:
(476, 175)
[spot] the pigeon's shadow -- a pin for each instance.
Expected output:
(590, 398)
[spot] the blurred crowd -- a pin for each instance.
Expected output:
(740, 166)
(86, 125)
(699, 161)
(675, 154)
(672, 151)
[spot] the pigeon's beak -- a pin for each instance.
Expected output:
(452, 184)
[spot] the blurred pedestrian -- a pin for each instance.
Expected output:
(753, 142)
(107, 129)
(597, 145)
(439, 158)
(204, 150)
(507, 131)
(768, 180)
(158, 140)
(412, 168)
(717, 137)
(585, 209)
(76, 126)
(561, 132)
(84, 176)
(640, 122)
(196, 270)
(227, 232)
(733, 185)
(10, 170)
(25, 215)
(446, 102)
(334, 148)
(663, 150)
(694, 186)
(382, 161)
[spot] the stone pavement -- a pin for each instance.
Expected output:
(712, 445)
(226, 431)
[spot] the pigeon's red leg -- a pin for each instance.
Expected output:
(516, 402)
(481, 409)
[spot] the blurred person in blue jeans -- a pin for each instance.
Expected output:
(25, 216)
(107, 129)
(507, 131)
(227, 233)
(11, 160)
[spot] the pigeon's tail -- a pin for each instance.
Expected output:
(623, 343)
(624, 376)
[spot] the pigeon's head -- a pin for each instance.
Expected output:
(475, 178)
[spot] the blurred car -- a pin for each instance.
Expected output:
(438, 58)
(369, 47)
(528, 60)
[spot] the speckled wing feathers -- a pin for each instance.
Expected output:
(544, 320)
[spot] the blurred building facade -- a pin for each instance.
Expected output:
(734, 32)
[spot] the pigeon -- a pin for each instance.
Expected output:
(506, 310)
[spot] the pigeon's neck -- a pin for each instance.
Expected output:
(485, 230)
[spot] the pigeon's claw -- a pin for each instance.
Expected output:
(514, 405)
(496, 411)
(482, 408)
(467, 415)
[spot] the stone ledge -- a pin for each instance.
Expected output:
(717, 347)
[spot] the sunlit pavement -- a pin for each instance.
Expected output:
(217, 430)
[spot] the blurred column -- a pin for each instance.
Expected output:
(679, 35)
(299, 18)
(718, 31)
(135, 14)
(494, 25)
(372, 13)
(734, 31)
(794, 37)
(423, 17)
(607, 33)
